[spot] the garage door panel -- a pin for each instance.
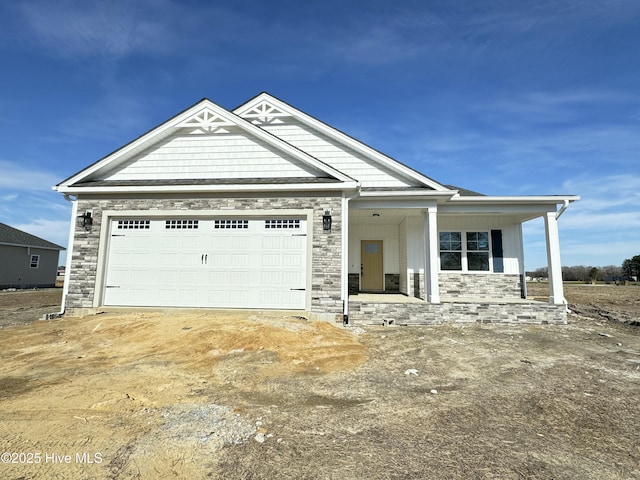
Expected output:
(240, 260)
(236, 264)
(292, 260)
(219, 260)
(241, 242)
(270, 277)
(242, 278)
(270, 259)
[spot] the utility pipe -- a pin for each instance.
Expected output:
(67, 268)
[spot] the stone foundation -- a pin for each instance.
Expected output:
(370, 313)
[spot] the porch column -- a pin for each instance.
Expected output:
(556, 291)
(432, 289)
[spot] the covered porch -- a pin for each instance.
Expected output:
(399, 241)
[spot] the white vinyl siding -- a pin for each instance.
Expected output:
(339, 156)
(207, 156)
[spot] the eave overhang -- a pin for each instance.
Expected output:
(37, 247)
(208, 188)
(524, 207)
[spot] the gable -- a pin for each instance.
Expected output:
(199, 154)
(207, 145)
(370, 167)
(338, 155)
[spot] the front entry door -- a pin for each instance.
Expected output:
(371, 270)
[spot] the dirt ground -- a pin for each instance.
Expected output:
(214, 394)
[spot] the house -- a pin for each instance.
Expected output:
(267, 207)
(26, 261)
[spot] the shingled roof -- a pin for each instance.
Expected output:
(13, 236)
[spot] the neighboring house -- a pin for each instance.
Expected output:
(266, 207)
(26, 261)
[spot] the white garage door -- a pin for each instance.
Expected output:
(229, 263)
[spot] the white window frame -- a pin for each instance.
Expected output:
(464, 251)
(34, 259)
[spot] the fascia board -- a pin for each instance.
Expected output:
(168, 126)
(340, 136)
(211, 188)
(36, 247)
(519, 200)
(531, 206)
(409, 193)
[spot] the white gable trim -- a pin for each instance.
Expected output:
(205, 114)
(264, 101)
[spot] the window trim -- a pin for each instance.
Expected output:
(32, 261)
(464, 252)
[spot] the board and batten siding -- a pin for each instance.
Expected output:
(211, 155)
(338, 155)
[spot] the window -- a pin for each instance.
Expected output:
(282, 223)
(34, 262)
(134, 224)
(235, 224)
(478, 251)
(173, 224)
(450, 251)
(472, 254)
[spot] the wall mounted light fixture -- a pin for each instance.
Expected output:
(85, 220)
(326, 221)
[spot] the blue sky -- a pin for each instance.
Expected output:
(503, 97)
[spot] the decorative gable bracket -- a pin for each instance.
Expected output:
(264, 112)
(206, 120)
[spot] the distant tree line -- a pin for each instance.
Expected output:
(629, 270)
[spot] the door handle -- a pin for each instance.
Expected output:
(361, 269)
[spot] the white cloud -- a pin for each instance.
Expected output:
(56, 231)
(112, 29)
(17, 177)
(599, 230)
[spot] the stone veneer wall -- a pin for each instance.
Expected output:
(326, 247)
(477, 285)
(416, 285)
(392, 282)
(354, 283)
(365, 313)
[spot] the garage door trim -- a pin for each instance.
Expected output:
(109, 215)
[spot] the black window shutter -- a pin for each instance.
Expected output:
(496, 246)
